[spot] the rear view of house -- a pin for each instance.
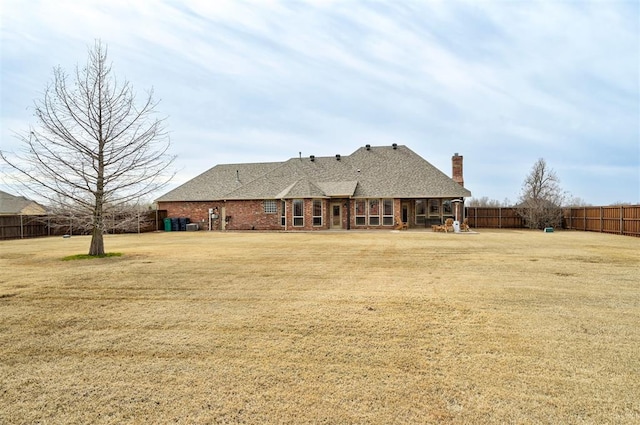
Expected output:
(373, 188)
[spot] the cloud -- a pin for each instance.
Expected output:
(503, 83)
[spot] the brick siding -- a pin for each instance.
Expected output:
(250, 215)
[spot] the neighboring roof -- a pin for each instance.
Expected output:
(19, 205)
(382, 171)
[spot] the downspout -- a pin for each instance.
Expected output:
(223, 215)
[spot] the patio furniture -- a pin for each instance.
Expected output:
(448, 225)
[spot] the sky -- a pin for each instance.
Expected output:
(502, 83)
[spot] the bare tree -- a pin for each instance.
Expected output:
(541, 197)
(621, 203)
(93, 147)
(575, 201)
(123, 218)
(484, 202)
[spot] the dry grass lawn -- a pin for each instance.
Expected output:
(334, 327)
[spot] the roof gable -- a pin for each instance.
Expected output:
(302, 189)
(344, 189)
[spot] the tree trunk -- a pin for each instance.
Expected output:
(97, 242)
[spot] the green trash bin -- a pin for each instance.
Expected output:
(167, 224)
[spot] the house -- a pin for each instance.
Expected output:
(373, 188)
(19, 205)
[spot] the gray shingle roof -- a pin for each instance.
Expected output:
(218, 181)
(377, 172)
(339, 189)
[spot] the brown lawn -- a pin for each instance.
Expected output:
(334, 327)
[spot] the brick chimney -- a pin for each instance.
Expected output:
(456, 173)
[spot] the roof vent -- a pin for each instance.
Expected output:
(312, 158)
(395, 146)
(338, 157)
(368, 147)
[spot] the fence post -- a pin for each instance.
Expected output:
(570, 218)
(500, 217)
(622, 219)
(476, 217)
(601, 219)
(584, 219)
(21, 228)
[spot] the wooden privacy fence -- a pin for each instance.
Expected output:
(621, 220)
(30, 226)
(496, 218)
(23, 226)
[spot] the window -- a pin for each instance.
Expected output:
(270, 206)
(387, 212)
(283, 217)
(447, 208)
(317, 212)
(421, 211)
(298, 212)
(434, 207)
(374, 212)
(361, 218)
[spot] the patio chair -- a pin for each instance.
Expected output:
(448, 225)
(400, 225)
